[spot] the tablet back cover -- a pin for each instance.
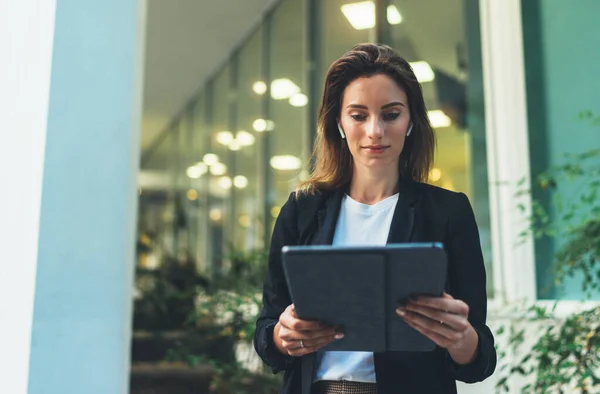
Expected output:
(344, 289)
(412, 271)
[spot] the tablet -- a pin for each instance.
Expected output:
(359, 287)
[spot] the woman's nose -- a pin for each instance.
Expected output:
(375, 129)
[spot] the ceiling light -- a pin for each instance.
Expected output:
(218, 169)
(240, 181)
(224, 137)
(361, 15)
(283, 88)
(298, 100)
(197, 170)
(210, 158)
(393, 15)
(285, 162)
(259, 125)
(259, 87)
(225, 182)
(438, 119)
(235, 145)
(244, 138)
(215, 215)
(422, 71)
(435, 174)
(192, 195)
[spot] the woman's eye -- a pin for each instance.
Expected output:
(359, 118)
(392, 116)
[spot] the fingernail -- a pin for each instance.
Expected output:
(338, 336)
(401, 312)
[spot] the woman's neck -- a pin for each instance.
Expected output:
(370, 187)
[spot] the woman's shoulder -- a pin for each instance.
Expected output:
(306, 197)
(439, 195)
(302, 200)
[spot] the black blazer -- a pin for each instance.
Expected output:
(423, 213)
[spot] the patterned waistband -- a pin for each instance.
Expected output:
(343, 387)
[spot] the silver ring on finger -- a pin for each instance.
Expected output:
(302, 343)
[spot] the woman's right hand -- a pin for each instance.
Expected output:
(299, 337)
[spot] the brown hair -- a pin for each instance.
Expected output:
(332, 158)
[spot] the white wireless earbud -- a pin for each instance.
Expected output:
(409, 130)
(341, 131)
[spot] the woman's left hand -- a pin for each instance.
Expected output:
(444, 320)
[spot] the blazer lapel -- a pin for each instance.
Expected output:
(327, 218)
(403, 221)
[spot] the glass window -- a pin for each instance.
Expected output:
(197, 172)
(250, 91)
(187, 187)
(289, 145)
(447, 62)
(220, 181)
(562, 82)
(156, 240)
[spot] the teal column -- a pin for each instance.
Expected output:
(83, 293)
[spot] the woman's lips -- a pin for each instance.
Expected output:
(375, 149)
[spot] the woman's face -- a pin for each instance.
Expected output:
(375, 118)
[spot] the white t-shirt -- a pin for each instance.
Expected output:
(358, 224)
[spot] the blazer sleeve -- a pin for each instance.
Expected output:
(275, 291)
(467, 277)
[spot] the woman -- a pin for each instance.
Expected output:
(374, 148)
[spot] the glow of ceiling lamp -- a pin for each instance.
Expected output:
(361, 15)
(285, 162)
(244, 138)
(260, 125)
(210, 158)
(435, 174)
(240, 181)
(423, 71)
(235, 145)
(259, 87)
(244, 221)
(197, 170)
(215, 215)
(225, 182)
(192, 195)
(283, 88)
(438, 118)
(298, 100)
(218, 169)
(393, 15)
(224, 137)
